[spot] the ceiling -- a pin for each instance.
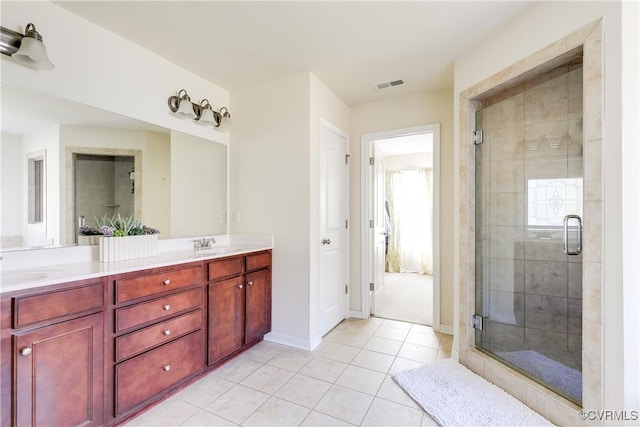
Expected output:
(350, 46)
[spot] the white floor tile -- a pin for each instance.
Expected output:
(335, 351)
(383, 345)
(426, 340)
(397, 324)
(373, 360)
(204, 391)
(170, 413)
(205, 418)
(237, 369)
(353, 339)
(263, 352)
(277, 412)
(345, 404)
(291, 360)
(267, 379)
(401, 364)
(303, 390)
(318, 419)
(361, 379)
(385, 413)
(391, 333)
(324, 369)
(418, 352)
(238, 403)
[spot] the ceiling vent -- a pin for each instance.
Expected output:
(393, 83)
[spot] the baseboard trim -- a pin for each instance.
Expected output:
(357, 314)
(277, 338)
(445, 329)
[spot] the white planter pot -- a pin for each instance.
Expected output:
(129, 247)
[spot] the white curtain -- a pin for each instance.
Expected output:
(410, 198)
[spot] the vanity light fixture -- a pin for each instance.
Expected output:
(182, 106)
(206, 116)
(27, 49)
(202, 113)
(225, 120)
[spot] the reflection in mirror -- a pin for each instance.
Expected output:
(61, 161)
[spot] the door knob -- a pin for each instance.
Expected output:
(25, 351)
(326, 241)
(240, 286)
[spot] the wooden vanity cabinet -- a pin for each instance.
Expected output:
(157, 335)
(239, 294)
(56, 347)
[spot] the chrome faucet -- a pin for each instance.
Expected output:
(203, 243)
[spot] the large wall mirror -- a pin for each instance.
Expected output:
(63, 164)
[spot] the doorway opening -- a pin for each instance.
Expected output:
(103, 181)
(400, 231)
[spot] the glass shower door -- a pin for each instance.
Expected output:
(529, 187)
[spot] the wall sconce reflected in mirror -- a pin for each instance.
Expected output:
(27, 49)
(202, 113)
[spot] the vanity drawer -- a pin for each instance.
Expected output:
(130, 289)
(157, 309)
(259, 260)
(227, 267)
(144, 376)
(149, 337)
(52, 305)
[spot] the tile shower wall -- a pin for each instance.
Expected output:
(103, 186)
(531, 290)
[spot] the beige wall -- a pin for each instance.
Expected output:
(551, 21)
(199, 183)
(269, 175)
(398, 113)
(274, 188)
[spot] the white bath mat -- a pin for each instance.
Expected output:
(551, 371)
(454, 396)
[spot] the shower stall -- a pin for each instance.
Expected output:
(528, 227)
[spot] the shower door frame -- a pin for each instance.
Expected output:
(548, 403)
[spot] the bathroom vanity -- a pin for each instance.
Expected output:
(98, 350)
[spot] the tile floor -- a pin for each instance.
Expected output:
(345, 381)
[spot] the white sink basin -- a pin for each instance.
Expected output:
(16, 277)
(215, 251)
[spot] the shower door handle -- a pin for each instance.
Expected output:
(565, 235)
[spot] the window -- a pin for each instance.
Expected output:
(550, 200)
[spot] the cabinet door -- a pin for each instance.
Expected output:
(226, 318)
(59, 374)
(258, 305)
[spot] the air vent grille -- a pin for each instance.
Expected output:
(393, 83)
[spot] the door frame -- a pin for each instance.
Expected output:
(69, 221)
(345, 136)
(366, 142)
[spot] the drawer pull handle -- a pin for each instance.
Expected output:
(250, 283)
(166, 307)
(25, 351)
(166, 367)
(167, 332)
(166, 282)
(240, 286)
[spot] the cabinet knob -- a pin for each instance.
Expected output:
(240, 286)
(166, 307)
(25, 351)
(167, 332)
(166, 367)
(166, 282)
(250, 283)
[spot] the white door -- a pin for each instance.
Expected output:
(379, 232)
(332, 218)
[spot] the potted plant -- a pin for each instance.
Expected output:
(122, 238)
